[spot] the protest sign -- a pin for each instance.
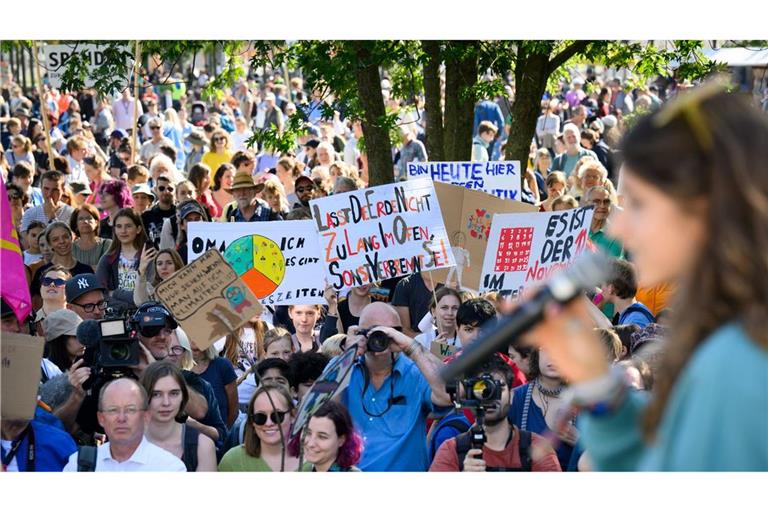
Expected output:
(302, 280)
(442, 350)
(208, 299)
(468, 222)
(57, 55)
(501, 179)
(381, 232)
(527, 248)
(20, 355)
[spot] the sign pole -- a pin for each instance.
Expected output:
(134, 135)
(43, 103)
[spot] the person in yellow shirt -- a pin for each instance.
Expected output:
(219, 151)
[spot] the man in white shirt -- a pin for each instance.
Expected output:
(123, 415)
(122, 110)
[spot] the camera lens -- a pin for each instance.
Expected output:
(378, 341)
(483, 389)
(120, 352)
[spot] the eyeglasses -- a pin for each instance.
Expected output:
(162, 188)
(260, 418)
(598, 202)
(301, 190)
(218, 139)
(89, 307)
(152, 331)
(153, 128)
(131, 410)
(48, 281)
(177, 350)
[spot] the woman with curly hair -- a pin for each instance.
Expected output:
(331, 442)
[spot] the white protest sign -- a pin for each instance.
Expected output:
(57, 55)
(381, 232)
(525, 248)
(501, 179)
(288, 271)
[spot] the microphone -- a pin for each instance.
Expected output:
(585, 273)
(89, 333)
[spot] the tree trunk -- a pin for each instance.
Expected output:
(460, 76)
(377, 144)
(434, 136)
(531, 74)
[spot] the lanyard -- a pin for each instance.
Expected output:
(7, 458)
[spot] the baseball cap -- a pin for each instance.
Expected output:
(153, 314)
(303, 178)
(143, 188)
(80, 188)
(191, 207)
(63, 322)
(81, 284)
(312, 143)
(118, 133)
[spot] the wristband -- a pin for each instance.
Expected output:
(411, 348)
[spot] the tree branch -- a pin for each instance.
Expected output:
(569, 51)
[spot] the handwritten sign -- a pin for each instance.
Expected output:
(20, 355)
(501, 179)
(296, 241)
(527, 248)
(443, 350)
(381, 232)
(208, 299)
(468, 221)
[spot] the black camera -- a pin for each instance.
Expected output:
(110, 343)
(476, 391)
(375, 341)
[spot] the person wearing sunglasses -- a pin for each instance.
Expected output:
(270, 413)
(164, 209)
(219, 151)
(305, 190)
(152, 146)
(168, 428)
(52, 292)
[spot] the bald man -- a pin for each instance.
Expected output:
(391, 393)
(123, 415)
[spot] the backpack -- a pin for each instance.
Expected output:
(639, 308)
(189, 458)
(455, 421)
(86, 458)
(464, 444)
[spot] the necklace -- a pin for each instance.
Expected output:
(551, 393)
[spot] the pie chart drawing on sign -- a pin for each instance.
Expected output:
(258, 261)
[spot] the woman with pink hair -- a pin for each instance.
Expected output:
(115, 195)
(331, 442)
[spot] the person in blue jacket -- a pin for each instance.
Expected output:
(694, 213)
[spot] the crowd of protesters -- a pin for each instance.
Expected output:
(104, 221)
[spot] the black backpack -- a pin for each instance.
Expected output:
(464, 444)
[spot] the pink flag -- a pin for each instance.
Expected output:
(13, 277)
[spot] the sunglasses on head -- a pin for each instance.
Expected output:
(48, 281)
(162, 188)
(260, 418)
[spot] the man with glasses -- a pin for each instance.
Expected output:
(305, 191)
(602, 200)
(390, 394)
(249, 208)
(86, 296)
(152, 146)
(164, 208)
(123, 415)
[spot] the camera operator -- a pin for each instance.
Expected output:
(506, 447)
(390, 395)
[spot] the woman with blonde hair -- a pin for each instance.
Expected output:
(274, 195)
(20, 151)
(556, 184)
(219, 152)
(164, 263)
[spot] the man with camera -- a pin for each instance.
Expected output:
(390, 394)
(504, 446)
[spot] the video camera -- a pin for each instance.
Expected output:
(111, 344)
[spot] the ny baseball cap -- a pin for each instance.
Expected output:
(81, 284)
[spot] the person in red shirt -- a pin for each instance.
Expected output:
(506, 447)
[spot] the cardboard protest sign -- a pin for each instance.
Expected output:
(381, 232)
(527, 248)
(288, 269)
(92, 55)
(20, 355)
(442, 350)
(468, 221)
(501, 179)
(208, 299)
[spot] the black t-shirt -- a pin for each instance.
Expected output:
(105, 230)
(413, 293)
(153, 222)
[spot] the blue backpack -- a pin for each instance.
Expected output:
(456, 421)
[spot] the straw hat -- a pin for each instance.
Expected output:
(245, 180)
